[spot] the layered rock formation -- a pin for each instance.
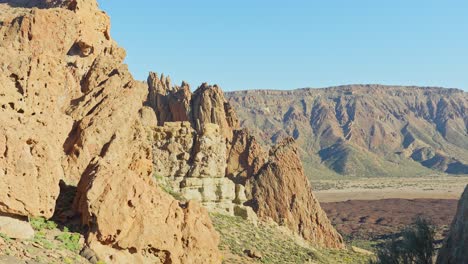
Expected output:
(70, 110)
(192, 141)
(455, 246)
(364, 130)
(209, 160)
(281, 191)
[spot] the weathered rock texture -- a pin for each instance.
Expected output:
(455, 246)
(209, 160)
(191, 142)
(16, 227)
(206, 105)
(69, 109)
(245, 157)
(281, 191)
(364, 130)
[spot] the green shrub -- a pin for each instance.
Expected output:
(70, 241)
(5, 238)
(166, 187)
(40, 238)
(40, 223)
(416, 246)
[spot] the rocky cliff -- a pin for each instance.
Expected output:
(364, 130)
(73, 116)
(456, 243)
(202, 154)
(71, 111)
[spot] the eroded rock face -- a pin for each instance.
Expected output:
(206, 179)
(172, 149)
(209, 106)
(191, 143)
(194, 164)
(245, 157)
(133, 221)
(455, 245)
(281, 191)
(206, 105)
(71, 110)
(39, 80)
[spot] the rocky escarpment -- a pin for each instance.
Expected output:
(205, 157)
(364, 130)
(456, 243)
(71, 111)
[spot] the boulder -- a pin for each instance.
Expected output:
(16, 227)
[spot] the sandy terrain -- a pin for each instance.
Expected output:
(443, 187)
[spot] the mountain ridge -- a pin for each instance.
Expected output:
(347, 86)
(346, 129)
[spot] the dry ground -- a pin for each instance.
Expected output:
(381, 218)
(369, 211)
(438, 187)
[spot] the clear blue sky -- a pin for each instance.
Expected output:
(270, 44)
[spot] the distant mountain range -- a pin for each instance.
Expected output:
(364, 130)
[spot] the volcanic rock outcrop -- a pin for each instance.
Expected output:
(363, 130)
(177, 103)
(455, 246)
(70, 110)
(192, 141)
(205, 157)
(281, 191)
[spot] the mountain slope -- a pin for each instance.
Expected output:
(364, 130)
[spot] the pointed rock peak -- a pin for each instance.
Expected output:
(296, 207)
(283, 147)
(159, 83)
(153, 79)
(185, 84)
(210, 106)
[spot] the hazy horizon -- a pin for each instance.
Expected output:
(270, 45)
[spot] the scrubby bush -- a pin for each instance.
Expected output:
(415, 246)
(40, 223)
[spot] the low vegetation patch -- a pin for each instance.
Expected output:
(51, 244)
(273, 244)
(69, 241)
(166, 187)
(40, 223)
